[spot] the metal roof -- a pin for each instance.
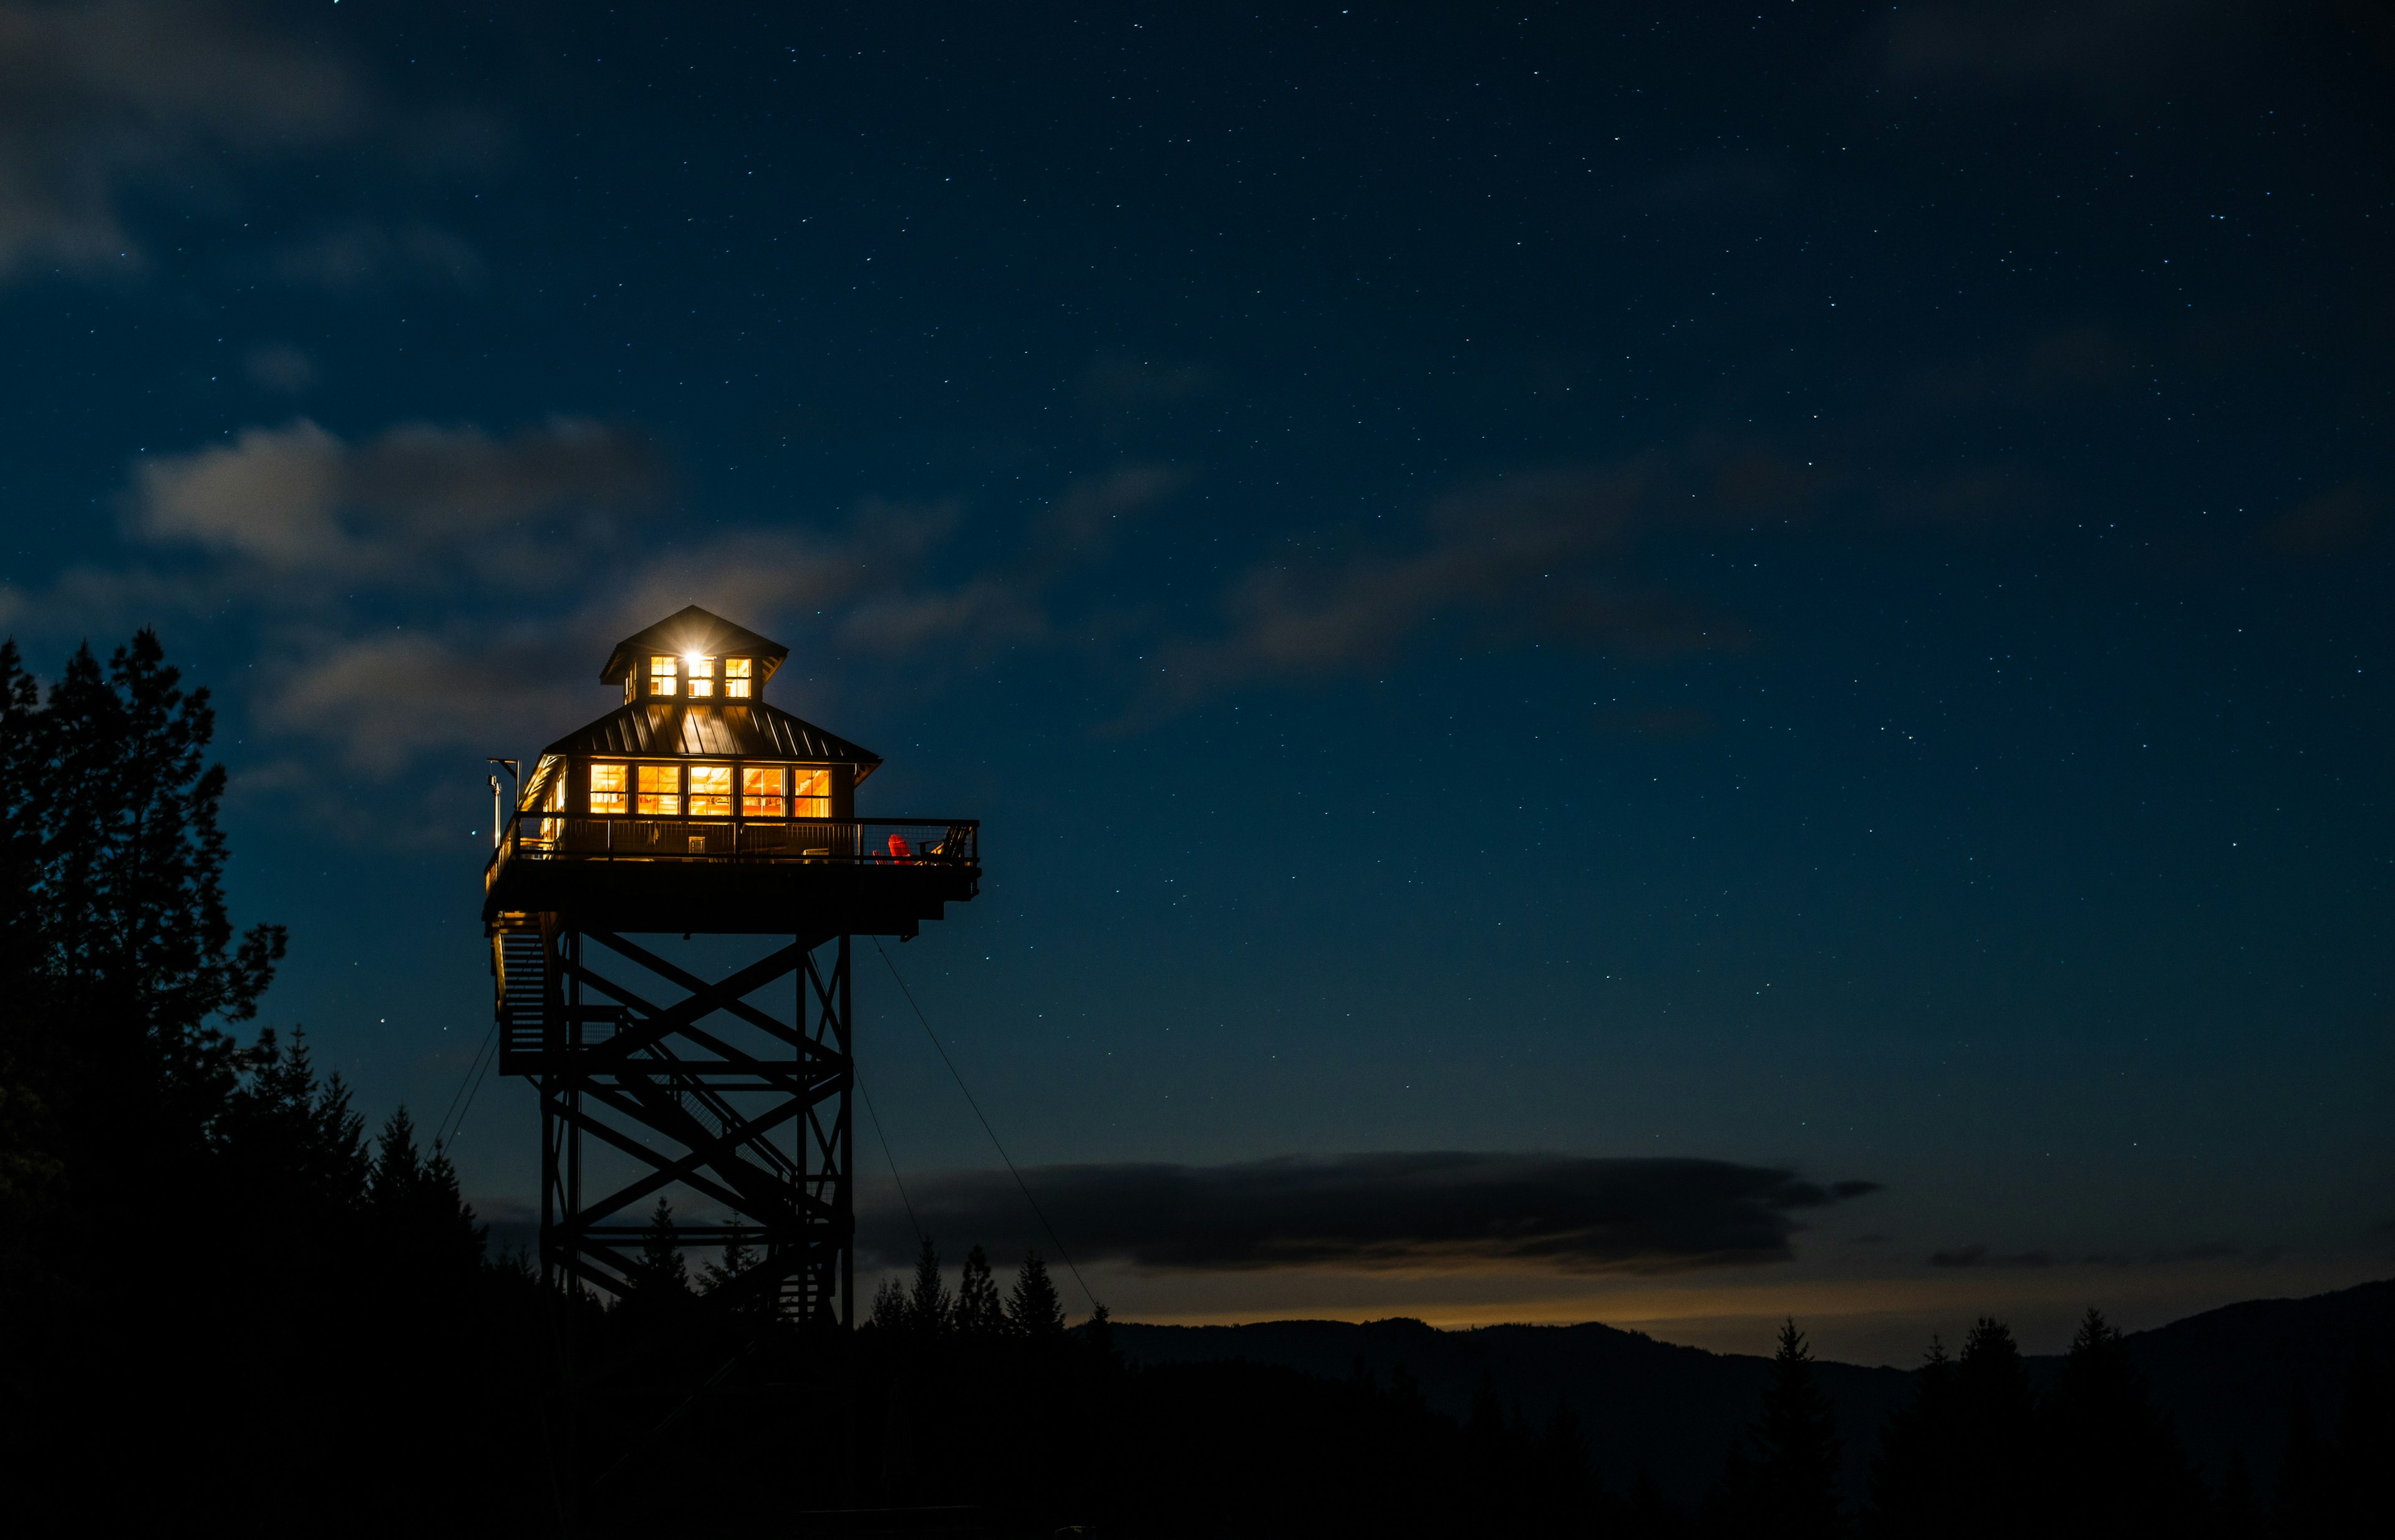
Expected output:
(693, 630)
(658, 729)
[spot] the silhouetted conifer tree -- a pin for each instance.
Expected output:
(889, 1306)
(2118, 1468)
(1915, 1473)
(114, 907)
(1033, 1308)
(737, 1258)
(978, 1311)
(1562, 1467)
(1962, 1459)
(660, 1273)
(1781, 1479)
(30, 1164)
(1485, 1424)
(1649, 1515)
(416, 1208)
(292, 1150)
(928, 1306)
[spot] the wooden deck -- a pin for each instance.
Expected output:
(801, 876)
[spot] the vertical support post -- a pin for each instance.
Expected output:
(572, 1038)
(844, 1186)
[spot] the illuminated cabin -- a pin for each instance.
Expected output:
(696, 805)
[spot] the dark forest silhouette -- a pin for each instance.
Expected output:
(225, 1303)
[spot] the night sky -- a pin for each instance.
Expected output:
(1786, 595)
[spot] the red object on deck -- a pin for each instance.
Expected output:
(900, 850)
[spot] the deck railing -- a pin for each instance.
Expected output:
(534, 835)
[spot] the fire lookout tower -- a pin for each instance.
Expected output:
(696, 808)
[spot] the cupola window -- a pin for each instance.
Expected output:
(737, 680)
(607, 787)
(664, 675)
(702, 677)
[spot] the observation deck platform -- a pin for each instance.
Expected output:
(806, 877)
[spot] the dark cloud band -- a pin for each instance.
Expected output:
(1410, 1209)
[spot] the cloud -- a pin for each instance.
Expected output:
(1013, 603)
(1979, 1255)
(1535, 556)
(1433, 1210)
(385, 699)
(95, 97)
(413, 504)
(1094, 510)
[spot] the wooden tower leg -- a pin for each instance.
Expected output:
(709, 1092)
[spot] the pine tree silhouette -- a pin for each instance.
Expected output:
(737, 1258)
(1781, 1477)
(889, 1306)
(1033, 1308)
(1918, 1468)
(1562, 1466)
(1962, 1459)
(978, 1313)
(118, 1056)
(659, 1274)
(2118, 1468)
(929, 1309)
(2000, 1477)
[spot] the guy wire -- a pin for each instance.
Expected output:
(986, 1128)
(859, 1082)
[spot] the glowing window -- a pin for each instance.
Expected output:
(607, 789)
(710, 788)
(702, 676)
(764, 794)
(736, 678)
(660, 790)
(811, 797)
(662, 674)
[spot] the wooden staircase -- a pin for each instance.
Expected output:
(519, 975)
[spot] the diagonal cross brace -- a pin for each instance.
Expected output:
(704, 1001)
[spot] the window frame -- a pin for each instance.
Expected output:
(779, 797)
(622, 792)
(740, 678)
(678, 796)
(665, 668)
(809, 774)
(690, 792)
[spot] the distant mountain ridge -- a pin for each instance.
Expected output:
(2225, 1376)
